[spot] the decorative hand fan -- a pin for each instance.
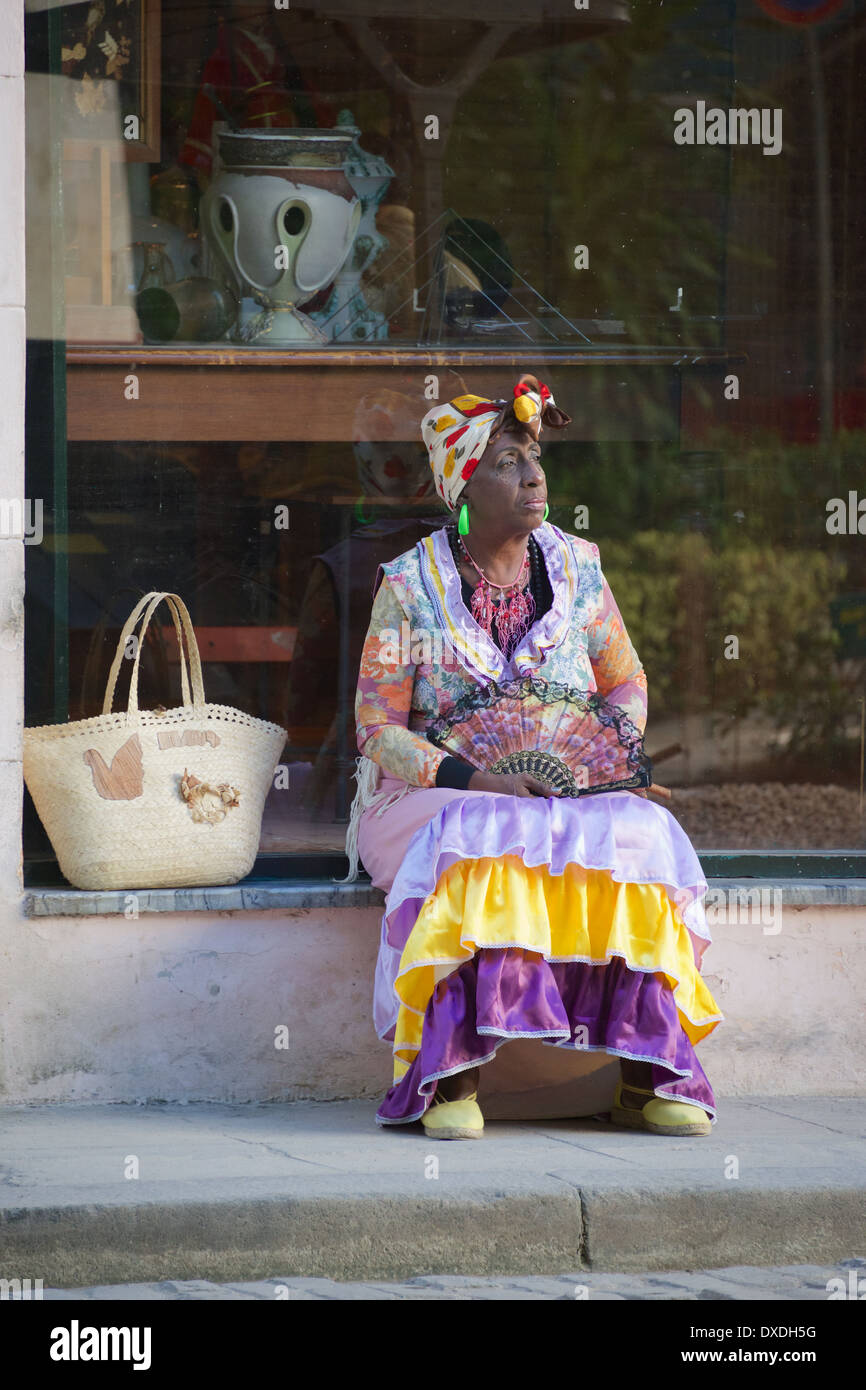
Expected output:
(572, 739)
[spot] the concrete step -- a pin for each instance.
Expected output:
(122, 1194)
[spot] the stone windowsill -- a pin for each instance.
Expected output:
(322, 893)
(239, 897)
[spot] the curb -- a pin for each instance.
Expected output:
(395, 1238)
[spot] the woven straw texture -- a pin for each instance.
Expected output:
(152, 799)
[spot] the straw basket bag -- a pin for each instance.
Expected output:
(154, 799)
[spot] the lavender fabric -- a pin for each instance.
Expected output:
(507, 993)
(574, 603)
(634, 839)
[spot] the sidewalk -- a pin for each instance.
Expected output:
(140, 1194)
(786, 1284)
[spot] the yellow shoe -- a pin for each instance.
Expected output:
(660, 1116)
(454, 1119)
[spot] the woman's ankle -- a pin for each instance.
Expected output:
(458, 1086)
(636, 1074)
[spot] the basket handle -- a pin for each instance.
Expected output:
(180, 615)
(121, 646)
(174, 601)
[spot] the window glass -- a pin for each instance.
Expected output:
(263, 239)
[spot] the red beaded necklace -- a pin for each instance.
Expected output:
(513, 615)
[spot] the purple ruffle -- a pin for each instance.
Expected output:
(507, 993)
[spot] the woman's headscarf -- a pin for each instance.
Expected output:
(457, 433)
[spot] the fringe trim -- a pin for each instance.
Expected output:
(367, 777)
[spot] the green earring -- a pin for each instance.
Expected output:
(546, 512)
(463, 521)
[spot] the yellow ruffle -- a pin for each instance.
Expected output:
(579, 915)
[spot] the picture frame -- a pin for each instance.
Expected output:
(112, 67)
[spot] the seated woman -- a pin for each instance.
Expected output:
(514, 911)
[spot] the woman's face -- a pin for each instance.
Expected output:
(508, 486)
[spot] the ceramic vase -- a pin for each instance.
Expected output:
(280, 219)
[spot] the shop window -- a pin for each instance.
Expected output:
(263, 240)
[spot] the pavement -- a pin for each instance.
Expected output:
(100, 1196)
(792, 1283)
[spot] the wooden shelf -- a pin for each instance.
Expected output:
(232, 355)
(214, 394)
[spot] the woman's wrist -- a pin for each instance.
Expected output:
(482, 781)
(454, 773)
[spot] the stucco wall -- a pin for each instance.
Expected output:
(183, 1007)
(187, 1007)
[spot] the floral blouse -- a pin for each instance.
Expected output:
(424, 650)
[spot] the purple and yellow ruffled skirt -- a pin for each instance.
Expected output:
(576, 923)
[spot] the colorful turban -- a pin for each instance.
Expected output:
(456, 434)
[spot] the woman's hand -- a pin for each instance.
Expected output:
(510, 784)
